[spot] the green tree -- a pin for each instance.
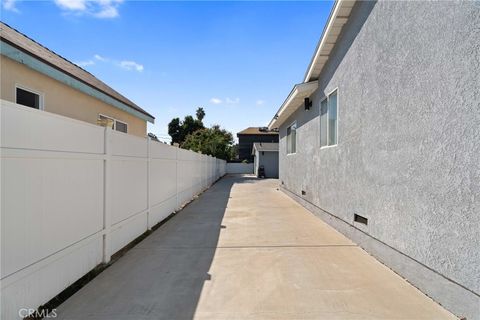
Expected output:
(179, 130)
(175, 131)
(200, 114)
(190, 125)
(213, 141)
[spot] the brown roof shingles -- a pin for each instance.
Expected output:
(255, 130)
(33, 48)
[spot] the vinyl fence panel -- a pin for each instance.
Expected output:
(73, 194)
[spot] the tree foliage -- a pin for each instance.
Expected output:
(200, 113)
(175, 130)
(179, 130)
(213, 141)
(191, 134)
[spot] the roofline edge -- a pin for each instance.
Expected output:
(33, 62)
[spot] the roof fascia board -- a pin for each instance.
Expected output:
(282, 107)
(33, 63)
(258, 134)
(323, 39)
(297, 89)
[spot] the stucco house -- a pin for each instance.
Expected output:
(381, 140)
(265, 154)
(36, 77)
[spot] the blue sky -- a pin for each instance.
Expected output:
(238, 60)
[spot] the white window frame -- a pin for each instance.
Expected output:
(40, 94)
(286, 136)
(115, 122)
(327, 98)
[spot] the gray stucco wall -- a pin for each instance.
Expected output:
(269, 159)
(408, 156)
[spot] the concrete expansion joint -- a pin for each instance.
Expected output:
(262, 265)
(251, 247)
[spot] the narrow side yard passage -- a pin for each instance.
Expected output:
(244, 250)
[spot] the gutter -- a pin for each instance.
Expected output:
(11, 51)
(338, 17)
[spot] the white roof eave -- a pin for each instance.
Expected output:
(338, 18)
(294, 100)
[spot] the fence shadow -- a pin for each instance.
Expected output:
(163, 276)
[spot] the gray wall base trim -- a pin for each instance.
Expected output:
(455, 298)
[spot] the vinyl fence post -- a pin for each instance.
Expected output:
(176, 179)
(107, 195)
(149, 208)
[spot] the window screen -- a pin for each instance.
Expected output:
(328, 120)
(323, 123)
(332, 119)
(120, 126)
(292, 138)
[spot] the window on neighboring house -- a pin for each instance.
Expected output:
(292, 138)
(105, 121)
(328, 120)
(115, 124)
(28, 98)
(121, 126)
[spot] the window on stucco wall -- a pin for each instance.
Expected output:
(292, 138)
(328, 120)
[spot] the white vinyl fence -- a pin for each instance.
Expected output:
(73, 194)
(236, 168)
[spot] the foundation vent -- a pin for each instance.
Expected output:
(360, 219)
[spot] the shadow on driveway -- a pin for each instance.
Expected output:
(246, 251)
(163, 276)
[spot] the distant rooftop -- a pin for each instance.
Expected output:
(257, 130)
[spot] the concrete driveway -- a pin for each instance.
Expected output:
(244, 250)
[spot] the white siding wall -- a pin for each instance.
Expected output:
(73, 194)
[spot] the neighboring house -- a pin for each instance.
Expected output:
(387, 146)
(36, 77)
(266, 155)
(247, 137)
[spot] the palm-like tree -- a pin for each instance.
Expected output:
(200, 113)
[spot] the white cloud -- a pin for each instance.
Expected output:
(232, 101)
(107, 12)
(96, 8)
(216, 100)
(131, 65)
(9, 5)
(78, 5)
(226, 100)
(100, 58)
(260, 102)
(85, 63)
